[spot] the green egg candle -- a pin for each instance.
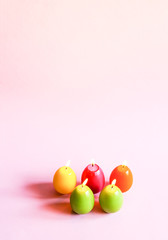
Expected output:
(111, 198)
(82, 199)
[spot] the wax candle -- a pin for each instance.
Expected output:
(111, 198)
(64, 179)
(123, 176)
(82, 199)
(95, 175)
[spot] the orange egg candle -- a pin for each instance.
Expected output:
(123, 176)
(64, 180)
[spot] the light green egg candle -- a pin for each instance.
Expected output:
(111, 198)
(82, 199)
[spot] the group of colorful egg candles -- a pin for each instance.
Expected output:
(93, 181)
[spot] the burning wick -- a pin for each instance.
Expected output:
(124, 163)
(85, 182)
(67, 164)
(93, 162)
(113, 183)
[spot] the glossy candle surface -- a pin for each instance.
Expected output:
(123, 176)
(95, 175)
(82, 199)
(111, 199)
(64, 180)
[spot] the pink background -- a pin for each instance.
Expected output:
(83, 79)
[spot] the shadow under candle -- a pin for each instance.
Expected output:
(43, 190)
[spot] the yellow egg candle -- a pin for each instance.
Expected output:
(64, 180)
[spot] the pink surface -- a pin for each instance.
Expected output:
(83, 79)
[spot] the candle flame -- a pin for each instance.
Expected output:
(92, 161)
(124, 163)
(113, 182)
(68, 163)
(85, 182)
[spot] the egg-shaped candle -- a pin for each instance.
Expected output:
(82, 199)
(64, 179)
(123, 176)
(111, 198)
(95, 176)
